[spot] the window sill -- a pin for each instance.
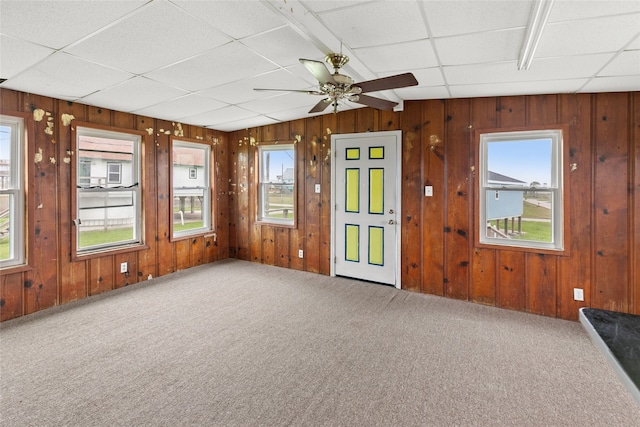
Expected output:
(104, 252)
(15, 269)
(201, 234)
(538, 251)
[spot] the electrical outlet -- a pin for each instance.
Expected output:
(428, 190)
(300, 253)
(124, 267)
(578, 294)
(317, 188)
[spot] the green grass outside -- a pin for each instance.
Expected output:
(4, 248)
(537, 212)
(188, 226)
(534, 231)
(101, 237)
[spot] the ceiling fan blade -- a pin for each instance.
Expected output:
(377, 103)
(319, 71)
(391, 82)
(321, 106)
(310, 92)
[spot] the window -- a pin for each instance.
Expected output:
(521, 189)
(113, 173)
(108, 198)
(191, 187)
(12, 201)
(276, 171)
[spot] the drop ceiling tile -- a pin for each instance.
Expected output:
(625, 64)
(17, 55)
(516, 88)
(56, 24)
(283, 46)
(173, 109)
(243, 90)
(221, 115)
(419, 92)
(426, 77)
(567, 10)
(247, 123)
(612, 84)
(158, 35)
(321, 5)
(480, 47)
(401, 56)
(225, 64)
(541, 69)
(66, 77)
(237, 19)
(132, 95)
(447, 18)
(376, 23)
(608, 34)
(281, 103)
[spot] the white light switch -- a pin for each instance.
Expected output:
(428, 190)
(317, 188)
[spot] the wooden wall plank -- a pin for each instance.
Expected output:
(244, 151)
(433, 220)
(182, 249)
(43, 292)
(11, 290)
(296, 236)
(412, 194)
(574, 271)
(541, 276)
(483, 272)
(313, 170)
(101, 274)
(610, 204)
(166, 259)
(511, 280)
(131, 276)
(458, 237)
(329, 122)
(221, 143)
(366, 119)
(72, 283)
(281, 247)
(634, 280)
(147, 259)
(268, 245)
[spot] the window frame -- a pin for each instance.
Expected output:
(138, 191)
(207, 205)
(19, 169)
(560, 188)
(261, 218)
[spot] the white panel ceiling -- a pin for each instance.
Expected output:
(197, 62)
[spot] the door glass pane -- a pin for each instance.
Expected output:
(353, 153)
(352, 242)
(376, 245)
(376, 152)
(376, 191)
(352, 190)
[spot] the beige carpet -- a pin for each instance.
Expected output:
(241, 344)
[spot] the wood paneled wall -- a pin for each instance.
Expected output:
(52, 277)
(438, 253)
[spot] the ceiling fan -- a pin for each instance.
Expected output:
(337, 87)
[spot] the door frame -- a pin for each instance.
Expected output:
(398, 189)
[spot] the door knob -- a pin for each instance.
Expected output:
(391, 222)
(391, 211)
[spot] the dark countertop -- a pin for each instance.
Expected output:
(618, 336)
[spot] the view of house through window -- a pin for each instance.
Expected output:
(521, 189)
(277, 173)
(12, 212)
(108, 197)
(191, 187)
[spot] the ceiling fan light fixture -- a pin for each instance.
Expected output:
(537, 21)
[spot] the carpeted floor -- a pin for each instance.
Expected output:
(242, 344)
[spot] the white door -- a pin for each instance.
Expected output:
(366, 199)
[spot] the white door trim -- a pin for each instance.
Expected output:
(398, 242)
